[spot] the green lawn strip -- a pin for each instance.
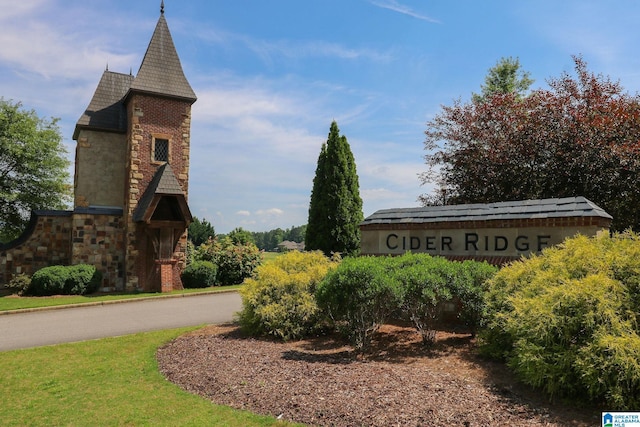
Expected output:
(16, 303)
(108, 382)
(270, 256)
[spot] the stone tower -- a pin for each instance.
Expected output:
(133, 155)
(131, 182)
(156, 213)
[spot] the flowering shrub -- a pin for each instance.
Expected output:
(235, 261)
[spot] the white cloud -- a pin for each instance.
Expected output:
(267, 50)
(376, 194)
(270, 212)
(53, 45)
(255, 141)
(405, 10)
(322, 49)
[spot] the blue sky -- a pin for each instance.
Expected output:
(270, 77)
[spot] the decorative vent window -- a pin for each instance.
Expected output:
(161, 150)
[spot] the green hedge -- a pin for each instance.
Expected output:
(567, 321)
(65, 280)
(362, 293)
(199, 274)
(296, 294)
(360, 296)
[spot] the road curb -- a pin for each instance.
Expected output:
(119, 301)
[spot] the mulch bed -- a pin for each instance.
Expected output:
(322, 382)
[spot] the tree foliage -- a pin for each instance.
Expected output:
(240, 236)
(580, 137)
(33, 167)
(335, 210)
(200, 231)
(235, 261)
(505, 77)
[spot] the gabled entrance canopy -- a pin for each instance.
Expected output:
(164, 215)
(164, 202)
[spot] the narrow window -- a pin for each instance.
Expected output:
(161, 151)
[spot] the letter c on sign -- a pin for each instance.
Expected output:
(395, 236)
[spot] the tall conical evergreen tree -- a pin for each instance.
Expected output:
(335, 210)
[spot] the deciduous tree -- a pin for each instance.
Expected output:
(33, 167)
(335, 210)
(240, 236)
(580, 137)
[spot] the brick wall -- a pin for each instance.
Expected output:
(152, 117)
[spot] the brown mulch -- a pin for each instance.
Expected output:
(321, 381)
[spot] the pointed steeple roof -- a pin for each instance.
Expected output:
(161, 72)
(106, 111)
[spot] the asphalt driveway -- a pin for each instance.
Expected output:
(55, 326)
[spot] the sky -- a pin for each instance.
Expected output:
(271, 76)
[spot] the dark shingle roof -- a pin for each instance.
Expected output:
(106, 110)
(526, 209)
(161, 72)
(163, 183)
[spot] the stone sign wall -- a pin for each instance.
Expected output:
(497, 232)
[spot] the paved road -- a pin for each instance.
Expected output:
(48, 327)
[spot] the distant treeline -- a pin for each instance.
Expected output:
(269, 240)
(201, 230)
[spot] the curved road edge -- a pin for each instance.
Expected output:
(54, 325)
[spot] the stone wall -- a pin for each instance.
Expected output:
(45, 242)
(98, 239)
(84, 236)
(100, 169)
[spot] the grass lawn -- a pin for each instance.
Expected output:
(113, 381)
(270, 256)
(14, 303)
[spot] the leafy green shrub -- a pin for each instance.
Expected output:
(359, 295)
(280, 300)
(199, 274)
(48, 281)
(82, 279)
(19, 284)
(424, 290)
(235, 261)
(65, 280)
(470, 288)
(567, 321)
(364, 292)
(428, 283)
